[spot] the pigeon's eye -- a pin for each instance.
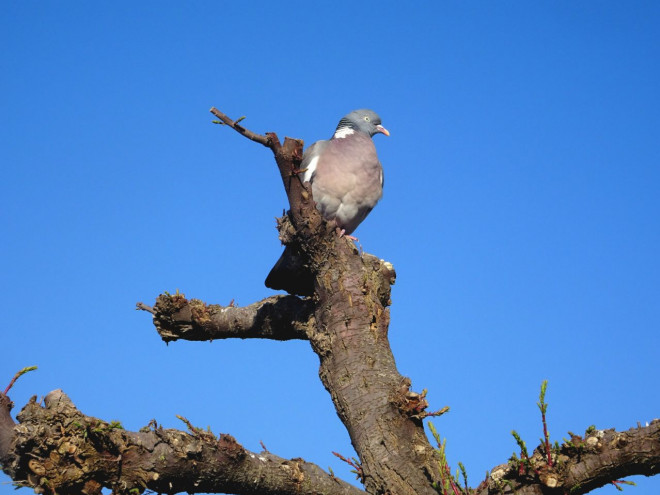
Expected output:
(366, 118)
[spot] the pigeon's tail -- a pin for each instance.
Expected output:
(291, 275)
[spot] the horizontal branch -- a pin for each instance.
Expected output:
(57, 449)
(275, 318)
(615, 455)
(582, 464)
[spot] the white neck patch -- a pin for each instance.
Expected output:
(342, 132)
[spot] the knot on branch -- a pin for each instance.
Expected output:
(409, 402)
(414, 404)
(550, 476)
(525, 472)
(380, 277)
(231, 448)
(176, 317)
(55, 446)
(286, 230)
(293, 471)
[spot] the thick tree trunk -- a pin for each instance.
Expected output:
(352, 293)
(358, 369)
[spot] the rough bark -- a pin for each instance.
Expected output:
(583, 464)
(358, 369)
(58, 448)
(352, 293)
(276, 318)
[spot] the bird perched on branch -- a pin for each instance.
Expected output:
(347, 182)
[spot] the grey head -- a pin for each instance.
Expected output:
(365, 121)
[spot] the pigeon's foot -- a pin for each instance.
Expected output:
(342, 233)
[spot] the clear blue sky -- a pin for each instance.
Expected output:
(521, 208)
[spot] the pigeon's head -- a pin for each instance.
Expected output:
(366, 121)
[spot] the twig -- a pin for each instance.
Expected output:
(436, 413)
(524, 456)
(17, 375)
(144, 307)
(446, 478)
(354, 464)
(544, 407)
(198, 432)
(617, 484)
(265, 140)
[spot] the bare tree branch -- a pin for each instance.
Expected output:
(145, 307)
(614, 455)
(265, 140)
(583, 464)
(275, 318)
(57, 449)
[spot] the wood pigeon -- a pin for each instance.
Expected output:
(347, 182)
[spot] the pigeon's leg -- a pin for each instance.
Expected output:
(342, 233)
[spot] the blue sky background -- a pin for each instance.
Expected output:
(521, 208)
